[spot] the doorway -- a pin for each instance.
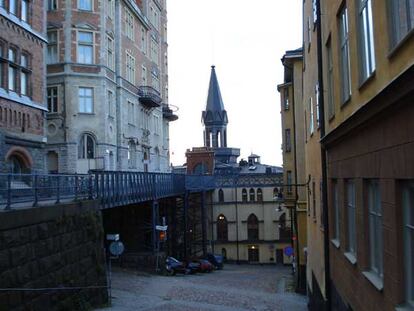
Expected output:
(279, 256)
(253, 254)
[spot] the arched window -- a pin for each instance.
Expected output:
(86, 147)
(52, 162)
(252, 195)
(221, 195)
(244, 195)
(284, 231)
(222, 234)
(259, 195)
(276, 193)
(252, 227)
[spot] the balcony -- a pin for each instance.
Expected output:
(149, 97)
(168, 113)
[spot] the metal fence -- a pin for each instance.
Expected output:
(111, 188)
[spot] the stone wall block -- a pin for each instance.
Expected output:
(11, 238)
(8, 279)
(41, 249)
(4, 260)
(42, 231)
(20, 254)
(25, 235)
(24, 274)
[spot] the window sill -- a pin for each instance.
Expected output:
(374, 279)
(86, 113)
(367, 80)
(345, 101)
(351, 257)
(336, 243)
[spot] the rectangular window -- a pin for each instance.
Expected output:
(85, 5)
(402, 19)
(24, 75)
(351, 217)
(314, 199)
(144, 75)
(287, 140)
(110, 53)
(130, 68)
(111, 9)
(131, 113)
(1, 65)
(12, 74)
(2, 3)
(51, 5)
(85, 47)
(408, 227)
(154, 51)
(344, 55)
(315, 11)
(155, 81)
(375, 228)
(309, 32)
(52, 47)
(366, 39)
(311, 117)
(317, 94)
(143, 40)
(24, 11)
(330, 78)
(286, 98)
(289, 182)
(85, 100)
(110, 104)
(337, 215)
(52, 99)
(129, 24)
(156, 125)
(13, 7)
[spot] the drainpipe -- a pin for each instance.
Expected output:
(323, 157)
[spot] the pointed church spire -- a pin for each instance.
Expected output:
(215, 116)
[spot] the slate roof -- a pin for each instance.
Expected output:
(215, 112)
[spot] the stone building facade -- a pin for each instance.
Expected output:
(107, 86)
(22, 86)
(293, 150)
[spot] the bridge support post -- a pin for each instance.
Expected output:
(186, 224)
(203, 222)
(155, 211)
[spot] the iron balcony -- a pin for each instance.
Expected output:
(149, 97)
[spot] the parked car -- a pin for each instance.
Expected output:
(174, 266)
(216, 260)
(205, 265)
(193, 266)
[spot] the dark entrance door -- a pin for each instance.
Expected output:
(279, 256)
(253, 255)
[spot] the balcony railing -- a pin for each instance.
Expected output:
(149, 97)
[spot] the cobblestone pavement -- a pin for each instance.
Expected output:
(236, 287)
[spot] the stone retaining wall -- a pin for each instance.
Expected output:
(52, 247)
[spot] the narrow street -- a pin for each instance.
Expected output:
(236, 287)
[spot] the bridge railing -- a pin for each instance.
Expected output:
(112, 188)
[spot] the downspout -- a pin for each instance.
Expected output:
(323, 157)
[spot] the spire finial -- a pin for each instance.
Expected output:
(213, 66)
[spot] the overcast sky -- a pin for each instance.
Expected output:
(245, 40)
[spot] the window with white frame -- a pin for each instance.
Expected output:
(24, 11)
(2, 3)
(375, 228)
(52, 47)
(311, 117)
(402, 19)
(111, 8)
(317, 94)
(331, 103)
(344, 55)
(154, 51)
(85, 5)
(408, 227)
(24, 75)
(131, 113)
(155, 81)
(110, 53)
(85, 98)
(52, 99)
(110, 99)
(132, 155)
(286, 98)
(129, 24)
(12, 75)
(85, 47)
(366, 39)
(336, 211)
(13, 7)
(51, 5)
(143, 40)
(86, 148)
(130, 68)
(351, 217)
(154, 16)
(144, 75)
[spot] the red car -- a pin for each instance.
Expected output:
(205, 265)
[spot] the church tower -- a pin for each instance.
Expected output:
(215, 116)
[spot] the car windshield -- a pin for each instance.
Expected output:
(174, 260)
